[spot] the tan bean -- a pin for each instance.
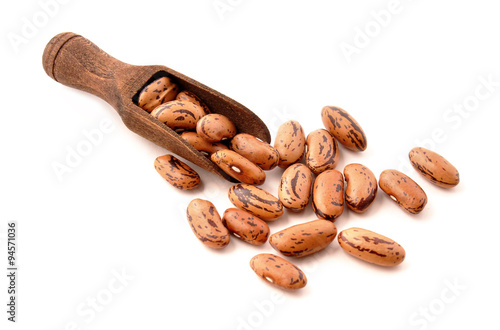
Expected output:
(191, 97)
(295, 187)
(177, 173)
(179, 115)
(434, 167)
(238, 167)
(371, 247)
(403, 190)
(304, 239)
(202, 145)
(215, 127)
(290, 142)
(328, 195)
(344, 128)
(245, 226)
(278, 271)
(159, 91)
(258, 152)
(322, 151)
(206, 224)
(361, 188)
(256, 201)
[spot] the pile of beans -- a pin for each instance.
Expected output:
(309, 175)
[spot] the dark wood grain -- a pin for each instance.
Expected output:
(74, 61)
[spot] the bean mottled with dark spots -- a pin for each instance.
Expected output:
(371, 247)
(238, 167)
(403, 190)
(177, 173)
(256, 201)
(322, 151)
(290, 142)
(245, 226)
(191, 97)
(179, 115)
(328, 195)
(206, 224)
(258, 152)
(361, 188)
(295, 187)
(434, 167)
(202, 145)
(215, 127)
(344, 128)
(278, 271)
(304, 239)
(159, 91)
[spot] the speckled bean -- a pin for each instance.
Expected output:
(328, 195)
(177, 173)
(322, 151)
(361, 187)
(202, 145)
(371, 247)
(215, 127)
(245, 226)
(159, 91)
(295, 187)
(179, 115)
(238, 167)
(206, 224)
(290, 142)
(344, 128)
(434, 167)
(191, 97)
(256, 201)
(304, 239)
(278, 271)
(403, 190)
(258, 152)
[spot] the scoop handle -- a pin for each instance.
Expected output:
(74, 61)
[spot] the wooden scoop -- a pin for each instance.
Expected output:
(74, 61)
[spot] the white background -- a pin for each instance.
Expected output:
(113, 214)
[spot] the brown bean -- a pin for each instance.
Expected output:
(245, 226)
(304, 239)
(215, 127)
(258, 152)
(371, 247)
(344, 128)
(177, 173)
(328, 195)
(322, 151)
(295, 187)
(403, 190)
(361, 188)
(202, 145)
(159, 91)
(290, 142)
(278, 271)
(238, 167)
(191, 97)
(256, 201)
(179, 115)
(434, 167)
(206, 224)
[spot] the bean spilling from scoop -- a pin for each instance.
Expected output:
(309, 174)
